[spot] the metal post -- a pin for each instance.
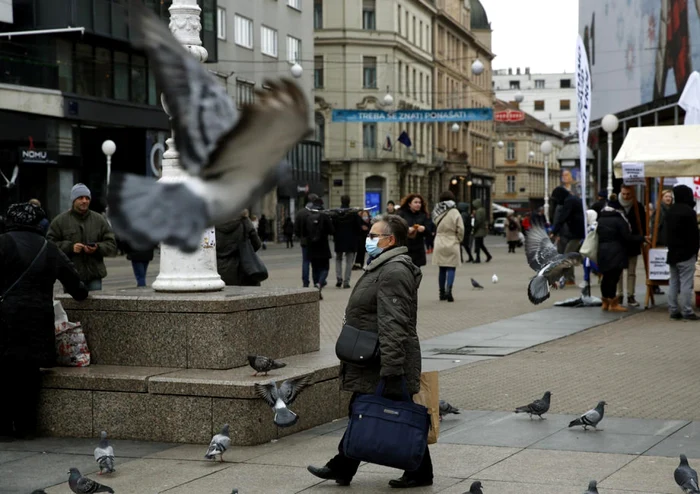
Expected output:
(546, 186)
(610, 160)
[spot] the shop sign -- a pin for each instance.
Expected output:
(29, 156)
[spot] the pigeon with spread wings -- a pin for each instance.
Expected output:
(230, 157)
(280, 398)
(542, 256)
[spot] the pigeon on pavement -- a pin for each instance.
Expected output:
(542, 256)
(475, 284)
(104, 455)
(84, 485)
(537, 407)
(39, 491)
(264, 364)
(592, 487)
(230, 157)
(494, 278)
(280, 398)
(475, 488)
(686, 477)
(446, 409)
(591, 418)
(219, 444)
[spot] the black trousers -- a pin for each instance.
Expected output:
(512, 245)
(346, 468)
(466, 245)
(21, 384)
(608, 287)
(479, 246)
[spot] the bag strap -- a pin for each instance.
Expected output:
(43, 248)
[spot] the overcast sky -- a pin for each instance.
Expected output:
(540, 34)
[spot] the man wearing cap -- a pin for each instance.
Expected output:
(85, 237)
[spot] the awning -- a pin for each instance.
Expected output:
(497, 208)
(666, 151)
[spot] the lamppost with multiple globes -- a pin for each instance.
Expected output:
(546, 149)
(610, 124)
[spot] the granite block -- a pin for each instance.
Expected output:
(308, 318)
(250, 421)
(150, 417)
(139, 339)
(65, 413)
(102, 377)
(111, 301)
(274, 332)
(217, 341)
(315, 405)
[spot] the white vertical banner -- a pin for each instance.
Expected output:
(583, 111)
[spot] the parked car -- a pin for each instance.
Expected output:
(499, 226)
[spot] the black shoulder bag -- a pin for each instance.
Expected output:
(43, 248)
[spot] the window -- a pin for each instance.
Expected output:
(420, 34)
(268, 41)
(320, 130)
(221, 23)
(293, 49)
(510, 184)
(539, 83)
(413, 40)
(539, 105)
(295, 4)
(514, 84)
(243, 31)
(103, 73)
(64, 56)
(139, 80)
(415, 86)
(318, 72)
(400, 85)
(564, 126)
(510, 151)
(398, 27)
(121, 76)
(318, 14)
(245, 94)
(368, 14)
(369, 72)
(84, 70)
(420, 87)
(369, 139)
(565, 83)
(407, 25)
(408, 90)
(564, 104)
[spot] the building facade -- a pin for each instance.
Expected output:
(520, 162)
(366, 49)
(463, 153)
(258, 41)
(550, 98)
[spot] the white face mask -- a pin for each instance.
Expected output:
(371, 247)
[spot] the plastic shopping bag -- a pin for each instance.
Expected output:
(71, 345)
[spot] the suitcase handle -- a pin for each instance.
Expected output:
(382, 384)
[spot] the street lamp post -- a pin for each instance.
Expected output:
(109, 148)
(610, 124)
(546, 149)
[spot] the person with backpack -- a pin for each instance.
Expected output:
(316, 229)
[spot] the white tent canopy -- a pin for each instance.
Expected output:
(497, 208)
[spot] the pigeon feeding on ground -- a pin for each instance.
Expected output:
(475, 284)
(264, 364)
(537, 407)
(446, 409)
(84, 485)
(475, 488)
(686, 477)
(280, 398)
(592, 487)
(494, 278)
(542, 256)
(591, 418)
(219, 444)
(104, 455)
(230, 157)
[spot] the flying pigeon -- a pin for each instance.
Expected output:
(537, 407)
(11, 182)
(280, 398)
(475, 284)
(475, 488)
(494, 278)
(83, 485)
(543, 257)
(686, 477)
(592, 487)
(446, 409)
(591, 418)
(264, 364)
(219, 444)
(104, 454)
(230, 157)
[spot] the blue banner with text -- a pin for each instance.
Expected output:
(454, 115)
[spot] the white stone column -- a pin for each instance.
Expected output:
(180, 272)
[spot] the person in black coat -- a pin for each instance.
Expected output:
(263, 228)
(614, 238)
(316, 229)
(365, 225)
(414, 211)
(683, 245)
(27, 335)
(463, 208)
(288, 231)
(634, 212)
(569, 213)
(347, 225)
(600, 202)
(229, 237)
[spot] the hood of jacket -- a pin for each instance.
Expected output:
(229, 226)
(682, 194)
(559, 194)
(441, 208)
(463, 207)
(476, 203)
(397, 254)
(345, 216)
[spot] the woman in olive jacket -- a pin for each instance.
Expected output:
(384, 300)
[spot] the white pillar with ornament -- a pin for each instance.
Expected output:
(180, 272)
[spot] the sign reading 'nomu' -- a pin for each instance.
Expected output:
(38, 156)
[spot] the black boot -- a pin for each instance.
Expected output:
(448, 294)
(442, 294)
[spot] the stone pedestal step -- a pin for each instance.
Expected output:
(184, 405)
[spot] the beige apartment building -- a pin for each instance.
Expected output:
(520, 162)
(463, 153)
(364, 50)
